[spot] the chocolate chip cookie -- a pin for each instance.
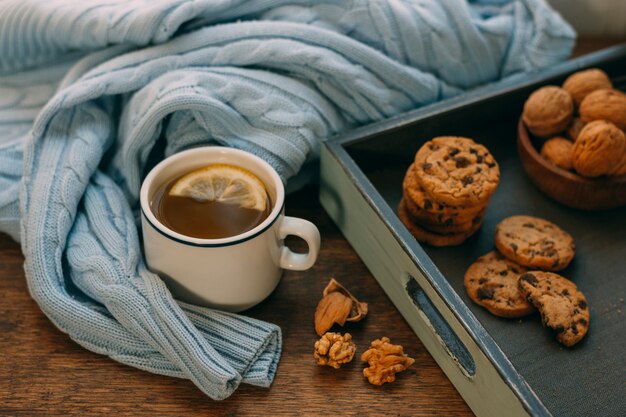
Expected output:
(562, 306)
(435, 210)
(457, 171)
(491, 282)
(441, 223)
(434, 239)
(535, 243)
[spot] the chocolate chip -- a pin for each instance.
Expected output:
(479, 159)
(582, 304)
(461, 162)
(473, 150)
(565, 292)
(426, 166)
(485, 293)
(529, 278)
(583, 322)
(467, 180)
(491, 164)
(454, 151)
(479, 170)
(514, 247)
(528, 225)
(559, 329)
(428, 204)
(448, 222)
(504, 273)
(482, 280)
(574, 329)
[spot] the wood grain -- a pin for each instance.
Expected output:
(45, 373)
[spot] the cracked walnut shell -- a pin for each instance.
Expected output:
(337, 306)
(385, 361)
(333, 349)
(548, 111)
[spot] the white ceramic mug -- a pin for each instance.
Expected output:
(233, 273)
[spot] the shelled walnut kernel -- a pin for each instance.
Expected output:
(333, 349)
(385, 361)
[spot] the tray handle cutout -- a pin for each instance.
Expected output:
(447, 337)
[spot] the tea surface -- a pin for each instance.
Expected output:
(204, 219)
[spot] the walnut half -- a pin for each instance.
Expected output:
(337, 306)
(385, 361)
(333, 349)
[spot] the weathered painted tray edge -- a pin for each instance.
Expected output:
(463, 349)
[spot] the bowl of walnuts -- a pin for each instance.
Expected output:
(572, 141)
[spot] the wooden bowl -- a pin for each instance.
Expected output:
(567, 187)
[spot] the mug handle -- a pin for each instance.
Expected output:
(305, 230)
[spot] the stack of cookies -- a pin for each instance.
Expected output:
(513, 281)
(446, 190)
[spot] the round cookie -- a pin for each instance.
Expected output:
(449, 223)
(431, 238)
(535, 243)
(456, 171)
(440, 210)
(491, 282)
(548, 111)
(446, 227)
(562, 306)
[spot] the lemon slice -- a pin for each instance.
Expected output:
(224, 183)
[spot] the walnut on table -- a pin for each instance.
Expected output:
(333, 349)
(385, 361)
(338, 305)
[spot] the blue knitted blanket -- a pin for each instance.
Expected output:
(90, 91)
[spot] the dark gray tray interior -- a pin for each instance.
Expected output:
(589, 379)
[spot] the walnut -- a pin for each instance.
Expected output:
(609, 105)
(333, 349)
(621, 167)
(548, 111)
(581, 83)
(337, 306)
(385, 361)
(558, 151)
(574, 129)
(599, 149)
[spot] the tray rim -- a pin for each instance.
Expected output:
(337, 148)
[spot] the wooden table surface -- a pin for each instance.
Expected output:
(44, 373)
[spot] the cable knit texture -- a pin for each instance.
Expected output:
(92, 92)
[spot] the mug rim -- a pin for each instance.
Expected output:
(150, 217)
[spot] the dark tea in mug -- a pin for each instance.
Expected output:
(212, 202)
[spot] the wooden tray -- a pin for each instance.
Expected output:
(501, 367)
